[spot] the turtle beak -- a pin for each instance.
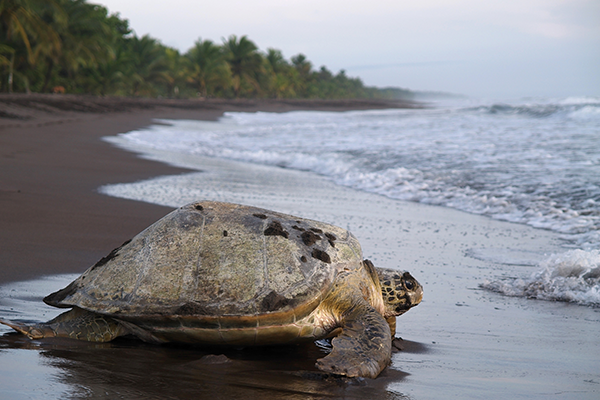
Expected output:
(414, 290)
(416, 296)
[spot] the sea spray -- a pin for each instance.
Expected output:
(573, 276)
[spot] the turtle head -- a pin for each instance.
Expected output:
(400, 291)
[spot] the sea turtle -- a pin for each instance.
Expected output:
(228, 274)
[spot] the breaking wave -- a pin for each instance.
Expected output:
(570, 107)
(573, 276)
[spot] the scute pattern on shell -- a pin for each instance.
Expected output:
(217, 259)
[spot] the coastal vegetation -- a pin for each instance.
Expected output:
(73, 46)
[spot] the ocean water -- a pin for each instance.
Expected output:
(533, 161)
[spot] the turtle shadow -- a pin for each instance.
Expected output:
(129, 368)
(400, 345)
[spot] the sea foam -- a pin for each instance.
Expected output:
(573, 276)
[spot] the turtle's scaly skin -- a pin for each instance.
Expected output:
(219, 273)
(75, 324)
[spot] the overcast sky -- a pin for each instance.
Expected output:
(483, 48)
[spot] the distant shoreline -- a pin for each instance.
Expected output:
(21, 108)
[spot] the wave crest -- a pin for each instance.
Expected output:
(573, 108)
(573, 276)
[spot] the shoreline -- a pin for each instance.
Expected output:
(53, 161)
(18, 109)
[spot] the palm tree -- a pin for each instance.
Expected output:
(148, 67)
(16, 17)
(245, 63)
(304, 68)
(88, 36)
(6, 54)
(177, 71)
(302, 64)
(282, 77)
(108, 76)
(208, 69)
(85, 39)
(19, 21)
(285, 84)
(276, 61)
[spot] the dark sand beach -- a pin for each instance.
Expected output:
(462, 342)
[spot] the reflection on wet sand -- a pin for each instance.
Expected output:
(131, 369)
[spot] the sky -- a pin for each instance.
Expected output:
(479, 48)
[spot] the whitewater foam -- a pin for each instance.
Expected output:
(573, 276)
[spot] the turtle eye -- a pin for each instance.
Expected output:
(409, 285)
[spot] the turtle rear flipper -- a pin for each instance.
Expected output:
(35, 331)
(364, 347)
(75, 324)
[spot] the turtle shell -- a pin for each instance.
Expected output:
(217, 260)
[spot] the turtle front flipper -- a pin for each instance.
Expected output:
(75, 324)
(364, 348)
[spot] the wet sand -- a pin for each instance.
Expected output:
(460, 342)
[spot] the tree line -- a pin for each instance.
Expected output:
(73, 46)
